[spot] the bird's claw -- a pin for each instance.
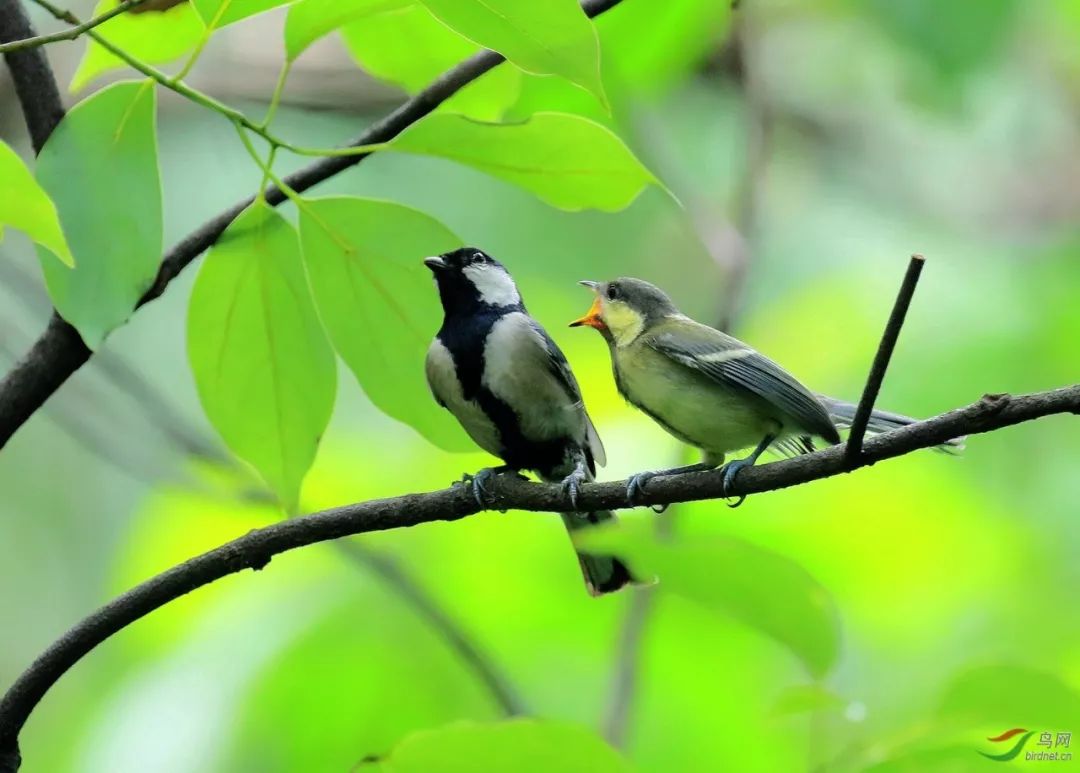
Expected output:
(480, 481)
(478, 484)
(635, 487)
(479, 487)
(572, 484)
(729, 472)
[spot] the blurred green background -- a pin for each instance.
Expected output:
(812, 146)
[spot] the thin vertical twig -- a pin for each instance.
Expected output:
(758, 128)
(627, 664)
(881, 360)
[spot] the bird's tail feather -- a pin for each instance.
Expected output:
(603, 574)
(843, 413)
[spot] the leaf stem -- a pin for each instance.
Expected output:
(205, 100)
(197, 52)
(275, 99)
(261, 194)
(268, 173)
(71, 34)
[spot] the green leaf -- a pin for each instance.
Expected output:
(409, 47)
(1010, 696)
(24, 205)
(309, 20)
(218, 13)
(513, 746)
(655, 46)
(806, 699)
(154, 37)
(100, 166)
(568, 161)
(375, 297)
(263, 367)
(758, 587)
(553, 37)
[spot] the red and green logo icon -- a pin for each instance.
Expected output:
(1054, 746)
(1013, 751)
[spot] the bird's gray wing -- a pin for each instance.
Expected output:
(560, 369)
(733, 364)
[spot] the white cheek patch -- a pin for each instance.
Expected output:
(625, 325)
(494, 285)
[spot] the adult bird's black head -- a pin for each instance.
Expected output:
(470, 280)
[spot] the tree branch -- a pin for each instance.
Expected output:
(35, 85)
(255, 549)
(168, 419)
(881, 359)
(60, 351)
(68, 34)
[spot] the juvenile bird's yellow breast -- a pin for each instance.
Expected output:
(693, 407)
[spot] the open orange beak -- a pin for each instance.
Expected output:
(592, 317)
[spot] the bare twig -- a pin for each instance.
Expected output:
(758, 126)
(68, 34)
(60, 351)
(627, 664)
(255, 549)
(853, 447)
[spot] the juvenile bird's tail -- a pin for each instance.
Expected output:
(603, 574)
(843, 413)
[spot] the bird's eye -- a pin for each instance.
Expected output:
(478, 257)
(612, 292)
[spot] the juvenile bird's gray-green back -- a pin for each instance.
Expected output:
(710, 389)
(705, 387)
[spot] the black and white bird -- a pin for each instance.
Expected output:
(508, 384)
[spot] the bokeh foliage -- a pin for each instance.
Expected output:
(890, 620)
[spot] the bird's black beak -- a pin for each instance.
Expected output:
(435, 264)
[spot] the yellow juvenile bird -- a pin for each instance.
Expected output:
(708, 389)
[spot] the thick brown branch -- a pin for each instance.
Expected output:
(35, 85)
(59, 351)
(255, 549)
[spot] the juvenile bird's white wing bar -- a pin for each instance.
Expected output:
(731, 354)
